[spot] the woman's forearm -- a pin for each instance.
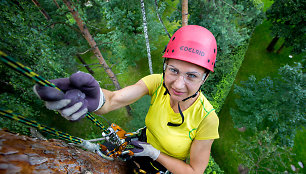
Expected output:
(177, 166)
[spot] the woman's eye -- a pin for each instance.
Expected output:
(173, 70)
(192, 76)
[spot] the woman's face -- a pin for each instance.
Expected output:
(182, 79)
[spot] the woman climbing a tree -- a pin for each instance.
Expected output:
(180, 123)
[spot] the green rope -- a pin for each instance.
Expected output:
(26, 71)
(62, 135)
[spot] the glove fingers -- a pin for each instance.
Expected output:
(86, 83)
(75, 112)
(48, 93)
(72, 109)
(51, 94)
(82, 80)
(79, 115)
(137, 147)
(75, 96)
(62, 83)
(90, 87)
(56, 105)
(77, 109)
(136, 144)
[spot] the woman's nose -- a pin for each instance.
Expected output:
(179, 82)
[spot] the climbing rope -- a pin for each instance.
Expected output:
(64, 136)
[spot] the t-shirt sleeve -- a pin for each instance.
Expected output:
(208, 128)
(152, 82)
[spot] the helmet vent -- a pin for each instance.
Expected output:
(167, 50)
(173, 51)
(214, 50)
(208, 60)
(173, 38)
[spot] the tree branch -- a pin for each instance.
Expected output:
(175, 9)
(42, 10)
(54, 23)
(232, 7)
(90, 49)
(160, 19)
(56, 3)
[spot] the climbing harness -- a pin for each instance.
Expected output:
(116, 140)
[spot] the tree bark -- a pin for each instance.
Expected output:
(42, 10)
(84, 63)
(184, 12)
(160, 20)
(145, 30)
(270, 48)
(92, 43)
(94, 47)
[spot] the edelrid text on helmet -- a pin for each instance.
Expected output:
(192, 50)
(194, 44)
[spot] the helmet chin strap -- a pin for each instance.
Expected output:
(178, 104)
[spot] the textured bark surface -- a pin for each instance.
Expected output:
(184, 13)
(23, 154)
(145, 30)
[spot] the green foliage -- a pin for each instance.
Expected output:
(255, 57)
(13, 125)
(213, 167)
(260, 154)
(277, 104)
(288, 21)
(140, 109)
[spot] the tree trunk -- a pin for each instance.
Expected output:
(43, 11)
(84, 63)
(92, 43)
(56, 3)
(281, 48)
(270, 48)
(145, 30)
(160, 20)
(184, 12)
(94, 47)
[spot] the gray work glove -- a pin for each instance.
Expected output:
(144, 149)
(80, 93)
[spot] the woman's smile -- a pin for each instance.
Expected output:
(176, 92)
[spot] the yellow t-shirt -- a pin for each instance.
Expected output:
(201, 121)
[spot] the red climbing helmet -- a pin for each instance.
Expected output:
(194, 44)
